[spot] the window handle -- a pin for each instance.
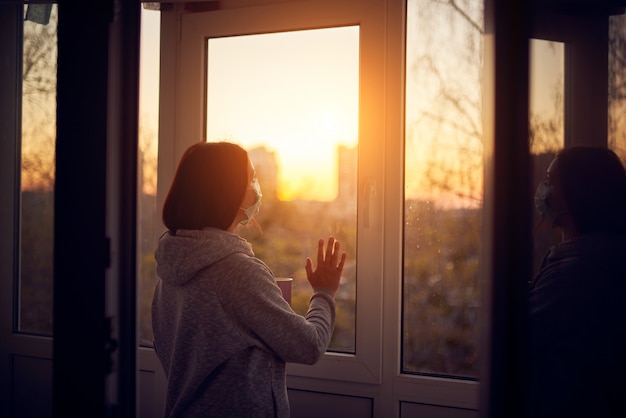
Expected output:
(369, 194)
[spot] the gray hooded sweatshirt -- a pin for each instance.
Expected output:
(223, 331)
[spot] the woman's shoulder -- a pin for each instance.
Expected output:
(581, 265)
(239, 261)
(240, 270)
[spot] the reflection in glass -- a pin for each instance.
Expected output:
(617, 85)
(149, 225)
(546, 94)
(39, 85)
(546, 127)
(291, 99)
(443, 187)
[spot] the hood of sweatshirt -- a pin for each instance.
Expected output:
(179, 257)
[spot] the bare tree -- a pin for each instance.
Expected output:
(39, 103)
(37, 174)
(617, 84)
(445, 70)
(546, 130)
(39, 60)
(444, 103)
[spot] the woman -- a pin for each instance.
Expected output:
(222, 329)
(577, 300)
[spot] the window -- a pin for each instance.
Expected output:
(291, 100)
(338, 125)
(149, 220)
(37, 169)
(617, 85)
(27, 186)
(546, 127)
(443, 188)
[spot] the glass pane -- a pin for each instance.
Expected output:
(443, 187)
(149, 225)
(291, 99)
(617, 85)
(546, 127)
(546, 96)
(38, 167)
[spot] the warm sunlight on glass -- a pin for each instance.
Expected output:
(443, 188)
(37, 176)
(294, 94)
(444, 145)
(547, 93)
(149, 99)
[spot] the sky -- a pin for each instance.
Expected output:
(149, 62)
(295, 93)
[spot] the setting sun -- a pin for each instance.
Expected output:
(295, 94)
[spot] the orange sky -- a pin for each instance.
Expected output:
(295, 93)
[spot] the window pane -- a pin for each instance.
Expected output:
(546, 96)
(149, 225)
(291, 99)
(38, 167)
(617, 85)
(546, 129)
(443, 187)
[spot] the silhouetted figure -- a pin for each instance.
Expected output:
(222, 329)
(578, 298)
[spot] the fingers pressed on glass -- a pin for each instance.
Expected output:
(336, 252)
(330, 248)
(320, 251)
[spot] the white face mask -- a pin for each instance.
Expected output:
(542, 194)
(253, 209)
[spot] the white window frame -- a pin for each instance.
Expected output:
(183, 122)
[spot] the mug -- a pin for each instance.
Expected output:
(285, 286)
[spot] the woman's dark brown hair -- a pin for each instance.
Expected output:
(593, 183)
(208, 187)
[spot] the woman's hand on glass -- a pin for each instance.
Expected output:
(329, 266)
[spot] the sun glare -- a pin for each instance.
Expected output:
(293, 93)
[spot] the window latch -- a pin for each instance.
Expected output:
(369, 194)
